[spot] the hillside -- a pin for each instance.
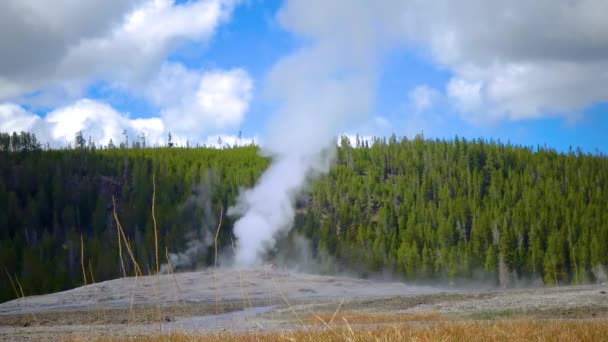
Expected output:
(419, 209)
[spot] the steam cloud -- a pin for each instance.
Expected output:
(200, 234)
(320, 88)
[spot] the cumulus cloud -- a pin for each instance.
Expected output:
(53, 52)
(94, 119)
(195, 103)
(13, 118)
(465, 94)
(101, 122)
(511, 60)
(71, 43)
(224, 96)
(36, 35)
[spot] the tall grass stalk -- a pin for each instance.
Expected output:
(84, 274)
(122, 263)
(157, 282)
(217, 235)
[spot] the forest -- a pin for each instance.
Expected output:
(422, 210)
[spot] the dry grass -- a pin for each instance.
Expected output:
(20, 294)
(504, 330)
(371, 318)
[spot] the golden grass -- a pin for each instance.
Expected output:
(371, 318)
(503, 330)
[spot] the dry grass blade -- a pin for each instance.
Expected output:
(154, 221)
(84, 274)
(181, 303)
(91, 272)
(19, 296)
(243, 291)
(157, 284)
(122, 237)
(217, 235)
(289, 305)
(335, 313)
(122, 263)
(217, 232)
(23, 296)
(180, 300)
(352, 334)
(130, 251)
(325, 323)
(12, 283)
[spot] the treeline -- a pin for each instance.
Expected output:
(425, 210)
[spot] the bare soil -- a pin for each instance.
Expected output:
(270, 300)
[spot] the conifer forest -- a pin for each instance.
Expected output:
(434, 211)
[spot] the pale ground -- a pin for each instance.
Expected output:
(209, 301)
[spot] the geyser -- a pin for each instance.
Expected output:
(319, 90)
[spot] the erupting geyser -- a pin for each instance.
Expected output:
(319, 90)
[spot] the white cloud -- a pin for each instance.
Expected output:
(96, 120)
(509, 59)
(224, 96)
(101, 123)
(172, 83)
(196, 103)
(36, 35)
(466, 94)
(13, 118)
(56, 51)
(512, 61)
(152, 127)
(75, 42)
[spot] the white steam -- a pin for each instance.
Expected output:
(320, 89)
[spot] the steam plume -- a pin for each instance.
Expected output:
(319, 89)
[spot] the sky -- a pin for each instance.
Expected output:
(531, 73)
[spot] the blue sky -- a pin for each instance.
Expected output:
(211, 68)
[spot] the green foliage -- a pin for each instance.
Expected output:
(440, 210)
